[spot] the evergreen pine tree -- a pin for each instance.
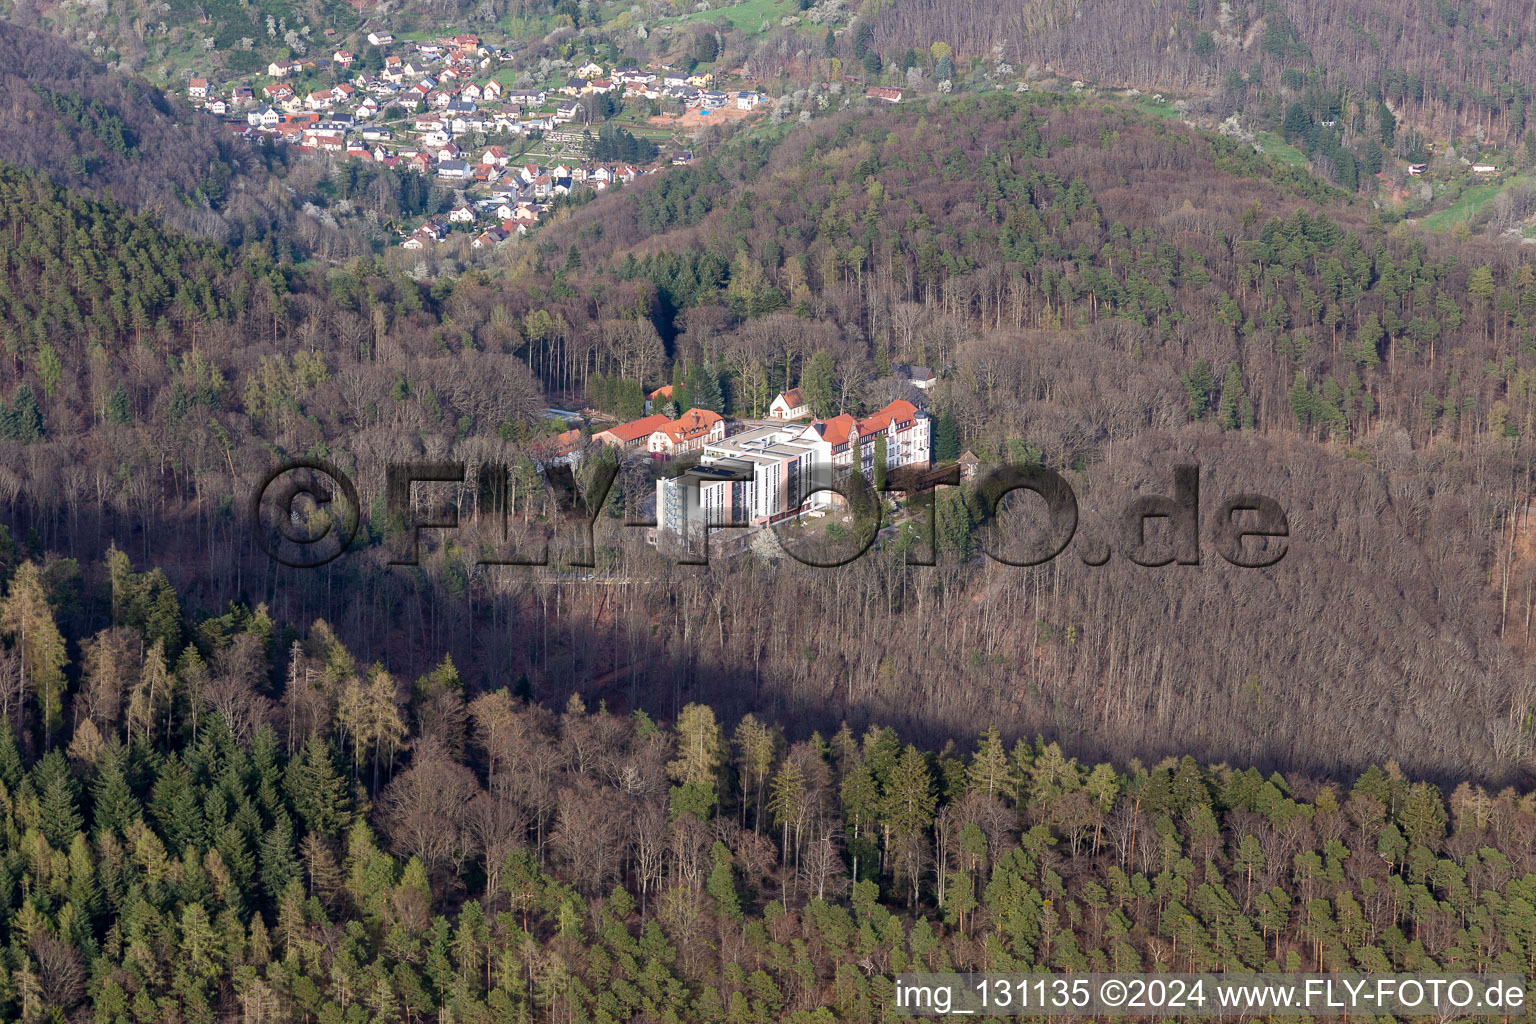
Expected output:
(721, 884)
(279, 865)
(704, 389)
(57, 800)
(317, 790)
(113, 804)
(946, 437)
(1229, 414)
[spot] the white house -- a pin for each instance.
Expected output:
(921, 377)
(789, 405)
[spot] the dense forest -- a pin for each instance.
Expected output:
(1457, 71)
(222, 819)
(617, 788)
(64, 116)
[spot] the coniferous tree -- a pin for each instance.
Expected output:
(58, 801)
(317, 791)
(946, 437)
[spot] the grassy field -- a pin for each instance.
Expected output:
(1472, 199)
(1277, 147)
(1157, 108)
(748, 16)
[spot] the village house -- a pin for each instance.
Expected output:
(969, 464)
(789, 405)
(919, 377)
(563, 449)
(527, 97)
(489, 238)
(689, 432)
(323, 144)
(883, 94)
(344, 58)
(658, 398)
(631, 435)
(461, 214)
(380, 38)
(197, 89)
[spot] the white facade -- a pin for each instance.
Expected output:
(788, 405)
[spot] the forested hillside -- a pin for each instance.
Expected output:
(618, 788)
(66, 117)
(1458, 71)
(248, 823)
(1106, 293)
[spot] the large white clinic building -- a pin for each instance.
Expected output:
(769, 474)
